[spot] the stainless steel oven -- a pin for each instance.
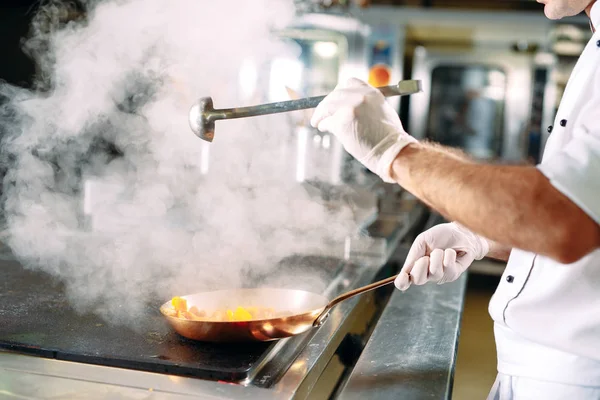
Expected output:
(477, 99)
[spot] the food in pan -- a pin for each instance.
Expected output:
(179, 304)
(180, 310)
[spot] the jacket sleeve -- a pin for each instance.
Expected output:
(575, 169)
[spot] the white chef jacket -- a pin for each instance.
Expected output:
(547, 314)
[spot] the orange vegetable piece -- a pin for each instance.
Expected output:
(179, 304)
(241, 314)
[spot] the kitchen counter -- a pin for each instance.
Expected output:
(40, 364)
(410, 354)
(412, 351)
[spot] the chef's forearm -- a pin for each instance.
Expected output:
(515, 206)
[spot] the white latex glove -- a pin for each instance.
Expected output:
(441, 254)
(367, 126)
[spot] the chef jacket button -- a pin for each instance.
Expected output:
(598, 43)
(563, 122)
(550, 129)
(510, 279)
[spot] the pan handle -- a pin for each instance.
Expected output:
(344, 296)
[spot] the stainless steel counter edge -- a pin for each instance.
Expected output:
(412, 351)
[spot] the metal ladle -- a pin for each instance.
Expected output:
(202, 115)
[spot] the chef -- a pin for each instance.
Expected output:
(543, 220)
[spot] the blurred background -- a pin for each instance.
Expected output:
(493, 74)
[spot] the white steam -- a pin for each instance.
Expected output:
(151, 224)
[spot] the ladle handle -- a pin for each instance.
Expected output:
(402, 88)
(352, 293)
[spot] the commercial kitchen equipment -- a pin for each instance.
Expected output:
(48, 350)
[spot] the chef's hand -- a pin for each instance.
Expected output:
(441, 254)
(367, 126)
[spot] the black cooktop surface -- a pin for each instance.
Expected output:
(35, 318)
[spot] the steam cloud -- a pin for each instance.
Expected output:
(120, 231)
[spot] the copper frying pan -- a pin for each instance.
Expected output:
(306, 310)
